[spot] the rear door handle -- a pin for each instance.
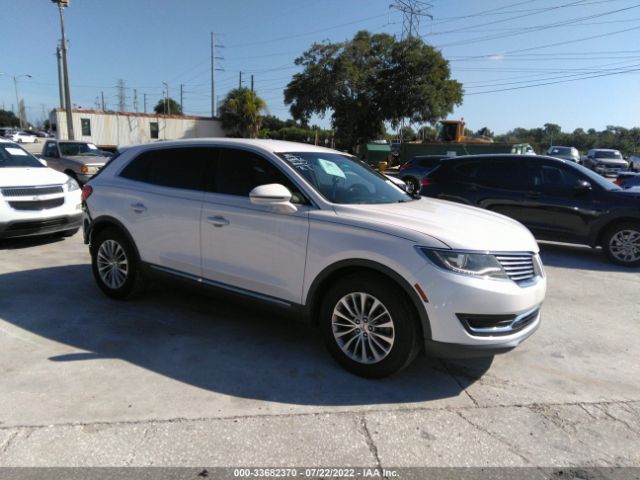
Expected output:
(138, 207)
(218, 221)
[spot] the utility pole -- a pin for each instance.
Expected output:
(412, 12)
(214, 109)
(60, 81)
(144, 96)
(181, 98)
(21, 109)
(251, 83)
(62, 4)
(240, 80)
(102, 96)
(122, 95)
(165, 94)
(135, 100)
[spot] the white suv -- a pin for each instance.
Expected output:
(319, 233)
(34, 199)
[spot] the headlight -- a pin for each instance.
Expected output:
(72, 185)
(474, 264)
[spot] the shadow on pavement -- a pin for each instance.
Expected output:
(28, 242)
(579, 257)
(210, 343)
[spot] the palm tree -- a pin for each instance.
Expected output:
(241, 113)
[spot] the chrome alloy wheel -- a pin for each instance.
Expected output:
(625, 245)
(363, 328)
(112, 263)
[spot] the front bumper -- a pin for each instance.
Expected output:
(458, 305)
(606, 170)
(40, 226)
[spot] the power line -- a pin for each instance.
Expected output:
(536, 28)
(559, 81)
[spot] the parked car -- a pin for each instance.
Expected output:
(34, 199)
(566, 153)
(634, 163)
(314, 231)
(6, 132)
(23, 137)
(628, 180)
(556, 199)
(605, 161)
(411, 172)
(80, 160)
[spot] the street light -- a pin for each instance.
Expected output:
(62, 4)
(15, 84)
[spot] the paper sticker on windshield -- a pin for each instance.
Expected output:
(331, 168)
(297, 162)
(16, 151)
(92, 146)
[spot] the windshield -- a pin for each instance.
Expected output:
(12, 156)
(70, 149)
(344, 179)
(608, 154)
(595, 178)
(561, 151)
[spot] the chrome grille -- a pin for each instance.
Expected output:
(37, 204)
(30, 191)
(519, 267)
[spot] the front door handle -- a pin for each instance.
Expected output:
(533, 194)
(218, 221)
(138, 207)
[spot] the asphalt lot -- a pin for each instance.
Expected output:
(181, 379)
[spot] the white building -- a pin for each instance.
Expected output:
(112, 129)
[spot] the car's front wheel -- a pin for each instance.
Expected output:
(115, 265)
(369, 326)
(621, 244)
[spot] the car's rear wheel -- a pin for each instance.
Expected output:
(368, 326)
(621, 244)
(115, 265)
(413, 186)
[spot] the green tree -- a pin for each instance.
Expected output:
(172, 107)
(8, 119)
(241, 113)
(370, 80)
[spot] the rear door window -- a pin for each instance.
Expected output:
(501, 172)
(171, 167)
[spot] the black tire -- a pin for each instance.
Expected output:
(132, 285)
(617, 255)
(406, 331)
(413, 186)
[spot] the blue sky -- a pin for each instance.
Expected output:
(492, 45)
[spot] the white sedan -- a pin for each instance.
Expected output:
(23, 137)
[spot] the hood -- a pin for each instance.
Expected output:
(30, 177)
(458, 226)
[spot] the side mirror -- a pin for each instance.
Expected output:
(273, 195)
(582, 186)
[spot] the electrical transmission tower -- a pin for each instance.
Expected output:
(122, 95)
(412, 12)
